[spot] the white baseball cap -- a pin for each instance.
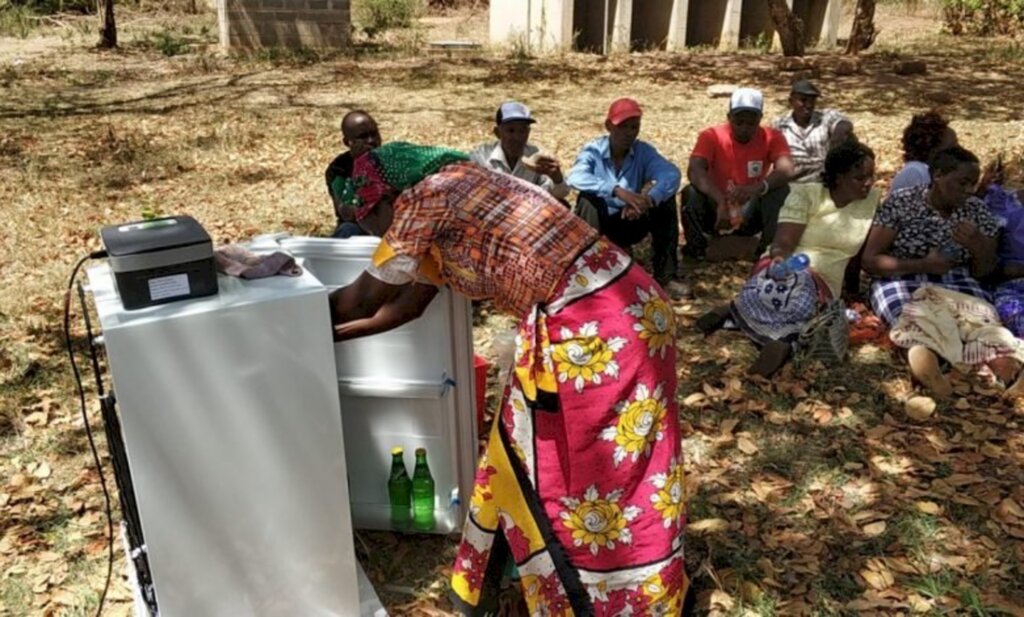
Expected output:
(746, 99)
(513, 111)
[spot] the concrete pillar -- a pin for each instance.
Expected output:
(730, 38)
(543, 24)
(830, 29)
(622, 25)
(676, 40)
(552, 23)
(507, 20)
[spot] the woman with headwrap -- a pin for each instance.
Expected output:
(581, 483)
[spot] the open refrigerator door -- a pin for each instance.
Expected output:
(410, 387)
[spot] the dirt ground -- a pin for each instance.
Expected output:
(812, 494)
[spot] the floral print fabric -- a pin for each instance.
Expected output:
(582, 477)
(920, 228)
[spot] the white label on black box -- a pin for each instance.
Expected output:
(168, 287)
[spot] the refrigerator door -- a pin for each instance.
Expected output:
(229, 411)
(410, 387)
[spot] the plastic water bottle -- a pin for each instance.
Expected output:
(399, 490)
(793, 263)
(422, 493)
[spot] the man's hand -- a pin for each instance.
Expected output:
(968, 236)
(549, 166)
(743, 194)
(723, 220)
(636, 204)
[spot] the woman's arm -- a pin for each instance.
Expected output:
(982, 248)
(369, 306)
(879, 263)
(787, 238)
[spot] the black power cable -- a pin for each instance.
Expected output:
(88, 427)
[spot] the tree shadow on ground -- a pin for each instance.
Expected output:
(968, 77)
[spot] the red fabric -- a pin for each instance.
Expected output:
(374, 188)
(742, 163)
(869, 328)
(623, 109)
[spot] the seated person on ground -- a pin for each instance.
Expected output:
(360, 133)
(627, 191)
(1005, 205)
(739, 176)
(512, 128)
(811, 133)
(926, 134)
(938, 235)
(828, 222)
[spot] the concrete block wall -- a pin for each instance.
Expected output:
(254, 24)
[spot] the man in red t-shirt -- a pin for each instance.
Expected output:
(739, 176)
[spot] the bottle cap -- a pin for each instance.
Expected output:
(421, 451)
(397, 450)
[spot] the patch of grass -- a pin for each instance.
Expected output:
(375, 17)
(971, 517)
(16, 595)
(281, 56)
(762, 606)
(917, 528)
(17, 20)
(933, 586)
(166, 42)
(942, 470)
(835, 587)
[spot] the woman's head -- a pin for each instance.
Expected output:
(955, 173)
(850, 169)
(378, 176)
(926, 134)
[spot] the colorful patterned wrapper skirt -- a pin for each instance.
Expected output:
(581, 482)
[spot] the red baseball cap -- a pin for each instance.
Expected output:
(623, 109)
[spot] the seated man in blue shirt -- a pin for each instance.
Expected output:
(627, 190)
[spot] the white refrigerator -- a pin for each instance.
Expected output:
(256, 445)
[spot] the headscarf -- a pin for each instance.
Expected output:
(392, 168)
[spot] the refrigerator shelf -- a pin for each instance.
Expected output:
(394, 388)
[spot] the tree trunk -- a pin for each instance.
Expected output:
(789, 26)
(863, 33)
(108, 33)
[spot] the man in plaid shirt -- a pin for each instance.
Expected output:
(811, 133)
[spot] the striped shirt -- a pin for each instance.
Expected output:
(809, 145)
(487, 235)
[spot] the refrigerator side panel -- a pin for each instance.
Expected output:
(234, 439)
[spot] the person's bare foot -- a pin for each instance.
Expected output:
(772, 357)
(924, 368)
(1005, 369)
(1016, 390)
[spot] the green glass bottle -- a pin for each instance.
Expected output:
(422, 494)
(399, 490)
